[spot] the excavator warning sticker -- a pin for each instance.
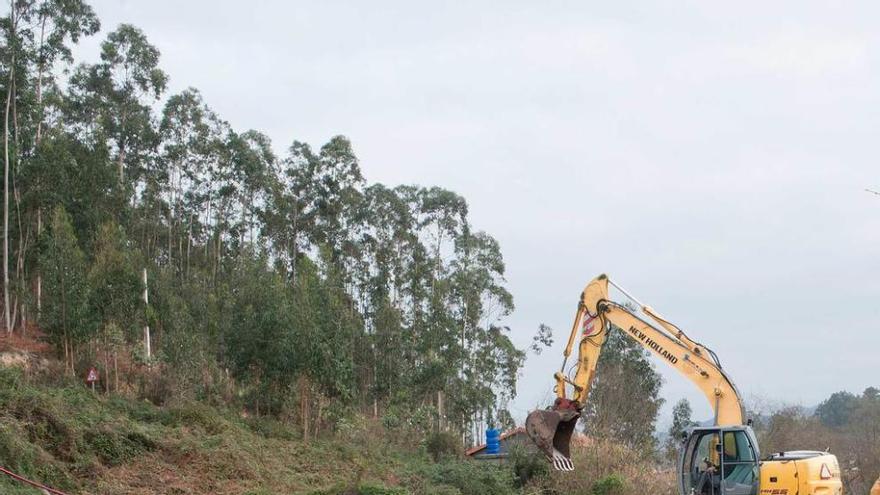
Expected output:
(588, 325)
(774, 491)
(649, 342)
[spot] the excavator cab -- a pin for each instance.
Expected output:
(720, 461)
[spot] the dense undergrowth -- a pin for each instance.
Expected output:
(62, 434)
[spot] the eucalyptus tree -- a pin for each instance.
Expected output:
(289, 218)
(284, 222)
(57, 24)
(253, 175)
(66, 316)
(263, 344)
(191, 134)
(331, 181)
(386, 237)
(681, 422)
(441, 217)
(240, 184)
(37, 35)
(111, 100)
(479, 302)
(115, 290)
(16, 63)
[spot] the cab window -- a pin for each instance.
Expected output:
(706, 448)
(737, 447)
(739, 466)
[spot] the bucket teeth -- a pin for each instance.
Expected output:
(551, 430)
(561, 462)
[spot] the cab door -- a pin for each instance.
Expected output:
(740, 473)
(699, 464)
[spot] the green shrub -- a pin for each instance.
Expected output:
(613, 484)
(364, 489)
(114, 448)
(268, 427)
(473, 478)
(527, 465)
(44, 424)
(368, 489)
(442, 490)
(443, 445)
(196, 414)
(140, 410)
(15, 451)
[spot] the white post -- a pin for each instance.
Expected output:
(147, 324)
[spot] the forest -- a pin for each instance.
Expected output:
(149, 238)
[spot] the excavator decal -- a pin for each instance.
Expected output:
(653, 345)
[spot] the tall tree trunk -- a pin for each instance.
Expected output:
(67, 350)
(39, 137)
(6, 316)
(189, 237)
(40, 69)
(440, 410)
(171, 212)
(39, 274)
(121, 161)
(147, 349)
(304, 406)
(107, 387)
(14, 318)
(115, 369)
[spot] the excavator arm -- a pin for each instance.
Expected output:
(597, 315)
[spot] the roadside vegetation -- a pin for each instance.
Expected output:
(62, 434)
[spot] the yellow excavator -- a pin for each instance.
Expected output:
(722, 459)
(876, 489)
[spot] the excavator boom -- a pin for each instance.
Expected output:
(597, 315)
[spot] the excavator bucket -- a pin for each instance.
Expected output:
(551, 430)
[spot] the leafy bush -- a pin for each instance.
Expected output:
(443, 445)
(364, 489)
(269, 427)
(471, 478)
(612, 484)
(114, 448)
(441, 490)
(368, 489)
(527, 465)
(196, 414)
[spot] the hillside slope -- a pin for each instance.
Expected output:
(64, 435)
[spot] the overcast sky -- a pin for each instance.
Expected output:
(712, 157)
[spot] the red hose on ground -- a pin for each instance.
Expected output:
(50, 491)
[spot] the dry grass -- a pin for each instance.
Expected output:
(600, 460)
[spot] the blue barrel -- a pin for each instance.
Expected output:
(493, 441)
